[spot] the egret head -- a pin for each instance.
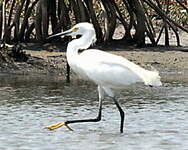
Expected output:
(84, 29)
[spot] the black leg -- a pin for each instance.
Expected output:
(60, 124)
(87, 120)
(122, 114)
(101, 96)
(98, 118)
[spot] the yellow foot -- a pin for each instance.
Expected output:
(58, 125)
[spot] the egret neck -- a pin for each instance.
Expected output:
(82, 43)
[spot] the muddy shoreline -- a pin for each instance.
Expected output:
(50, 60)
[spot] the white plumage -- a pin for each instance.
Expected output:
(105, 69)
(108, 71)
(112, 71)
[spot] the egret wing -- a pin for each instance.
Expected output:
(107, 69)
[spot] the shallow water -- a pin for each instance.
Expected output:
(156, 118)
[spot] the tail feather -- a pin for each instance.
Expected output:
(152, 78)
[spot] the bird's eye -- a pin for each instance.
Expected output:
(74, 29)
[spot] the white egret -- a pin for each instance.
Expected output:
(110, 72)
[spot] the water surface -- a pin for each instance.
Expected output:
(156, 118)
